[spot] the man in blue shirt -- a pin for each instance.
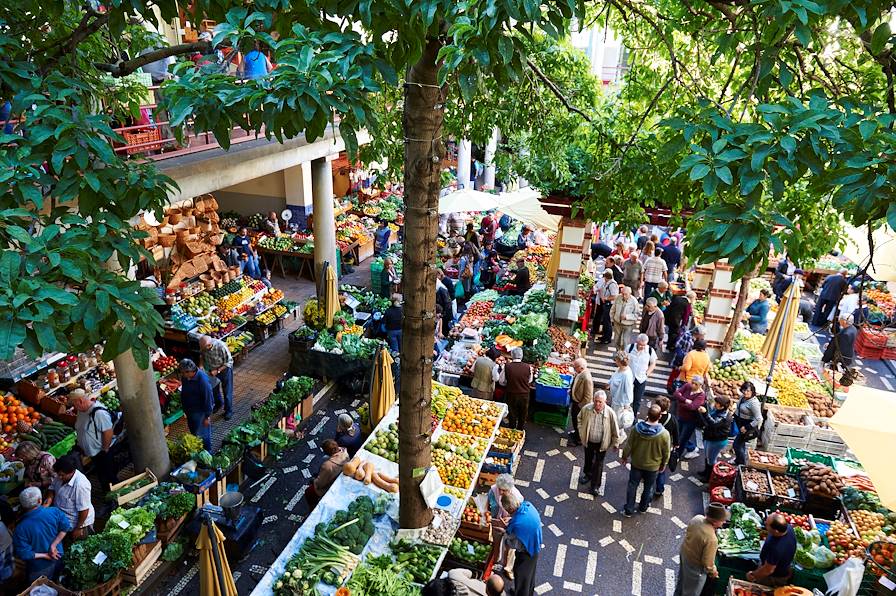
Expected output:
(831, 291)
(246, 257)
(381, 238)
(38, 536)
(776, 556)
(197, 399)
(672, 256)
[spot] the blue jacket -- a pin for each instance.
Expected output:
(758, 311)
(526, 526)
(196, 394)
(36, 532)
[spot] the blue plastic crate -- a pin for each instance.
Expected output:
(555, 396)
(493, 468)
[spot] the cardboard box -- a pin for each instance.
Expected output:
(43, 581)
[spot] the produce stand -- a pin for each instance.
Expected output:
(345, 489)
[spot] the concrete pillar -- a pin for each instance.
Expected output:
(142, 415)
(324, 218)
(464, 158)
(490, 148)
(298, 187)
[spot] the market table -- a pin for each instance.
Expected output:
(305, 259)
(344, 490)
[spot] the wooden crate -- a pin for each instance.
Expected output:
(168, 529)
(136, 494)
(136, 574)
(141, 551)
(473, 531)
(43, 581)
(771, 466)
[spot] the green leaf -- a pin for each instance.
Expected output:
(699, 171)
(788, 143)
(12, 333)
(880, 37)
(867, 128)
(724, 174)
(891, 215)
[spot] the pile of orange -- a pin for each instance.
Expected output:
(12, 411)
(466, 420)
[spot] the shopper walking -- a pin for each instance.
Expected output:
(599, 430)
(841, 349)
(642, 360)
(608, 293)
(581, 391)
(655, 271)
(622, 390)
(747, 419)
(689, 398)
(697, 555)
(516, 376)
(633, 274)
(624, 315)
(672, 257)
(671, 425)
(716, 423)
(663, 295)
(653, 324)
(215, 358)
(648, 446)
(524, 535)
(678, 316)
(197, 401)
(831, 291)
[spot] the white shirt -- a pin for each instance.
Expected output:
(72, 497)
(640, 360)
(848, 305)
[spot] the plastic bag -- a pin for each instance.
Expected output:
(431, 487)
(823, 557)
(845, 579)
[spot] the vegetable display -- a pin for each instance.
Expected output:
(822, 481)
(742, 534)
(419, 559)
(83, 573)
(380, 575)
(549, 377)
(469, 551)
(385, 443)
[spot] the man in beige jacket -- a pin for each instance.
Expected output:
(580, 392)
(624, 315)
(599, 429)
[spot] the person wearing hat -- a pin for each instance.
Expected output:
(37, 539)
(348, 434)
(197, 400)
(697, 556)
(525, 238)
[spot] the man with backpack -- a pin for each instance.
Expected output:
(95, 429)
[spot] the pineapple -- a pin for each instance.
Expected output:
(23, 427)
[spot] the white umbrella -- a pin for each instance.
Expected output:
(525, 206)
(856, 250)
(467, 200)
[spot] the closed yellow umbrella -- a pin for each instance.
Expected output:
(215, 578)
(867, 423)
(778, 344)
(554, 263)
(331, 296)
(382, 387)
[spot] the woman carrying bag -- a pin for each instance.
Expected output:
(747, 420)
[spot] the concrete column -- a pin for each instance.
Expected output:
(297, 181)
(142, 415)
(324, 218)
(464, 158)
(490, 149)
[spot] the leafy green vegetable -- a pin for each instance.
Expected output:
(177, 505)
(550, 377)
(173, 551)
(83, 573)
(134, 523)
(378, 575)
(277, 440)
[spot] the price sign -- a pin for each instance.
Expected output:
(791, 493)
(124, 525)
(752, 485)
(739, 533)
(887, 583)
(567, 344)
(726, 493)
(437, 522)
(99, 558)
(763, 459)
(470, 549)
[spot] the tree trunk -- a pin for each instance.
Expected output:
(738, 311)
(423, 155)
(139, 398)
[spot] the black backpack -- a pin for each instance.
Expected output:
(116, 417)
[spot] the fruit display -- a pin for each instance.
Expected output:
(466, 420)
(730, 370)
(279, 310)
(274, 295)
(789, 391)
(564, 343)
(488, 408)
(744, 340)
(385, 443)
(564, 368)
(869, 524)
(199, 305)
(366, 472)
(786, 487)
(795, 520)
(455, 492)
(741, 589)
(16, 416)
(238, 343)
(454, 470)
(266, 318)
(791, 417)
(469, 551)
(181, 320)
(442, 398)
(281, 243)
(843, 542)
(229, 288)
(165, 365)
(472, 515)
(881, 553)
(471, 448)
(823, 405)
(476, 314)
(821, 481)
(110, 400)
(229, 302)
(804, 371)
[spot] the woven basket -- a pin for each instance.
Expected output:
(174, 216)
(167, 240)
(207, 280)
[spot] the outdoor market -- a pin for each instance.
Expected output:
(448, 299)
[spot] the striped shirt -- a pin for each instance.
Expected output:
(217, 355)
(654, 268)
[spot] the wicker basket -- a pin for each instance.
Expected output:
(167, 240)
(174, 216)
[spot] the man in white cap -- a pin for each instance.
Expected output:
(38, 536)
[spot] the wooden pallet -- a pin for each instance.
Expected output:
(135, 575)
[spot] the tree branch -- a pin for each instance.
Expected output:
(556, 90)
(646, 113)
(126, 67)
(90, 23)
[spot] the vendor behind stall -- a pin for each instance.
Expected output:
(198, 401)
(96, 434)
(521, 278)
(70, 493)
(38, 465)
(776, 556)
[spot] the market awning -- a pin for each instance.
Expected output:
(867, 423)
(467, 199)
(523, 205)
(856, 250)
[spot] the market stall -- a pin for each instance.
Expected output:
(365, 495)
